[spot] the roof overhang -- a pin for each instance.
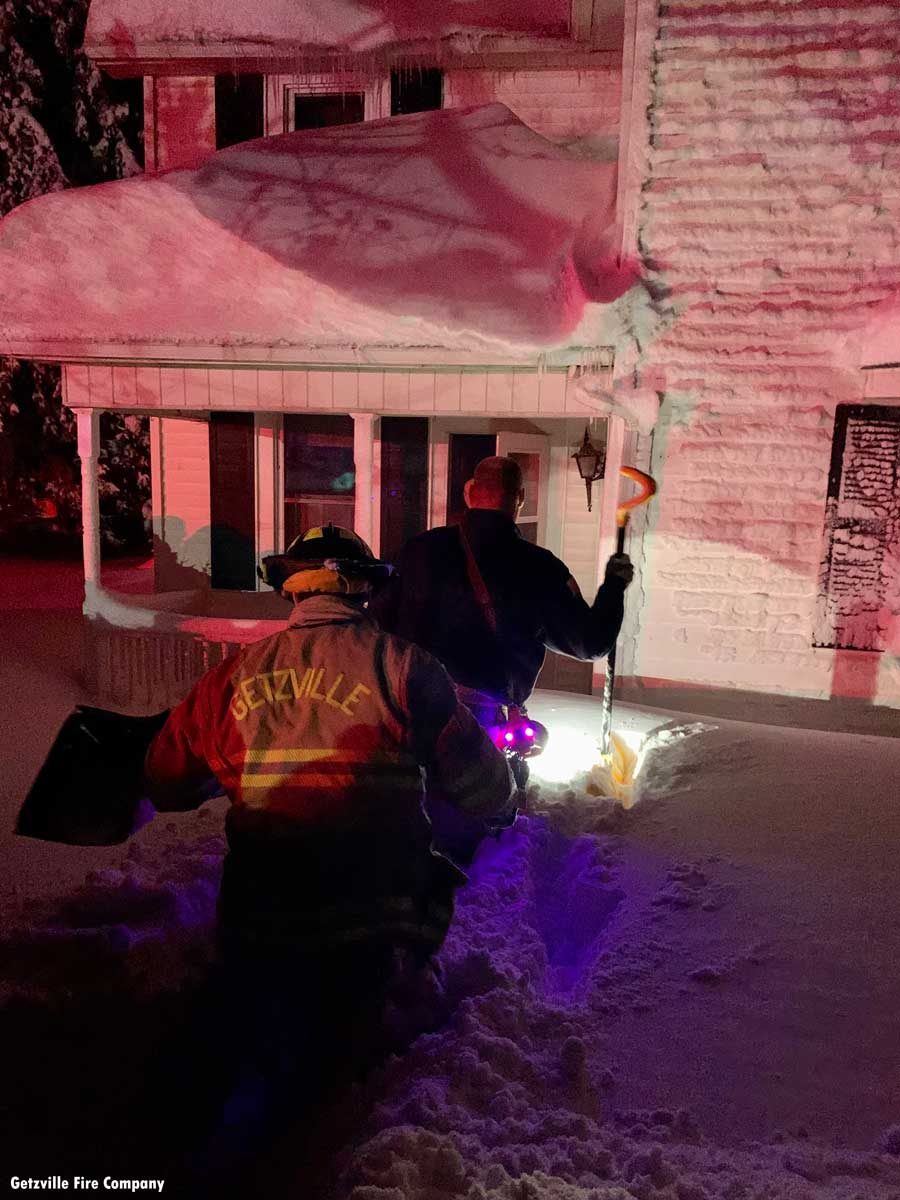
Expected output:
(147, 37)
(304, 358)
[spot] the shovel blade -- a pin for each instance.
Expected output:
(89, 792)
(614, 774)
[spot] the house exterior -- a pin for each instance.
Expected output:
(757, 377)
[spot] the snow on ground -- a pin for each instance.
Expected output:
(697, 999)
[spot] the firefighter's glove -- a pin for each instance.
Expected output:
(619, 567)
(496, 825)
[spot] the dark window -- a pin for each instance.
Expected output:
(322, 109)
(404, 482)
(416, 89)
(128, 97)
(319, 473)
(466, 452)
(239, 109)
(231, 500)
(861, 568)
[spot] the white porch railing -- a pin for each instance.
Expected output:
(143, 653)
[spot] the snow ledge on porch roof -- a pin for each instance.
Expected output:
(458, 236)
(139, 30)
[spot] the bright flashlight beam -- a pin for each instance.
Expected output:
(570, 752)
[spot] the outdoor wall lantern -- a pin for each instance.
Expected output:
(591, 463)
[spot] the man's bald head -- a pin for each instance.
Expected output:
(496, 483)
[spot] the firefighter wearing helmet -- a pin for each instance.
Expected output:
(319, 736)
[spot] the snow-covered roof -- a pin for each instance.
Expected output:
(142, 29)
(449, 236)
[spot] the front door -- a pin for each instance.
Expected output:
(530, 450)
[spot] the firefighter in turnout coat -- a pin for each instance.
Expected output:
(319, 736)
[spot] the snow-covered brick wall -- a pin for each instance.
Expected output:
(769, 223)
(559, 104)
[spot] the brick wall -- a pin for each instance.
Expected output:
(559, 104)
(768, 221)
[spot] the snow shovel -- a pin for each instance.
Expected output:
(89, 792)
(614, 774)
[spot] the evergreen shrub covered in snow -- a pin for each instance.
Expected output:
(60, 128)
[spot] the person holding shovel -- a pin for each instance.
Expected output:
(488, 604)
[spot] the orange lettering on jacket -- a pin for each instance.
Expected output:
(273, 688)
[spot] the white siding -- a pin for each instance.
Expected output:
(202, 389)
(181, 509)
(558, 103)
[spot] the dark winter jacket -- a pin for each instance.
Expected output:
(318, 735)
(537, 603)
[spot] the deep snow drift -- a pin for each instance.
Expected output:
(460, 229)
(695, 999)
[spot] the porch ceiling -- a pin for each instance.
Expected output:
(458, 236)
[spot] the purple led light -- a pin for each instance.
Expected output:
(529, 732)
(508, 736)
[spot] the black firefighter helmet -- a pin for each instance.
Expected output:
(325, 559)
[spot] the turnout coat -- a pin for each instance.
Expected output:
(320, 736)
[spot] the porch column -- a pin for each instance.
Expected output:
(88, 424)
(609, 502)
(269, 486)
(367, 510)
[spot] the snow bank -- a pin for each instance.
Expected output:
(515, 1097)
(597, 1033)
(458, 230)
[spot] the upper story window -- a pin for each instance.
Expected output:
(317, 110)
(318, 100)
(239, 109)
(416, 89)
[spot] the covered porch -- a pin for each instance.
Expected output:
(404, 465)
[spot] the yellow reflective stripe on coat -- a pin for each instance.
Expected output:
(298, 770)
(293, 779)
(294, 755)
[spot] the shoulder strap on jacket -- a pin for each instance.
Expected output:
(479, 587)
(483, 596)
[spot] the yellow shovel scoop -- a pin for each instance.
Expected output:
(614, 774)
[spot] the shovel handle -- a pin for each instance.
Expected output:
(647, 485)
